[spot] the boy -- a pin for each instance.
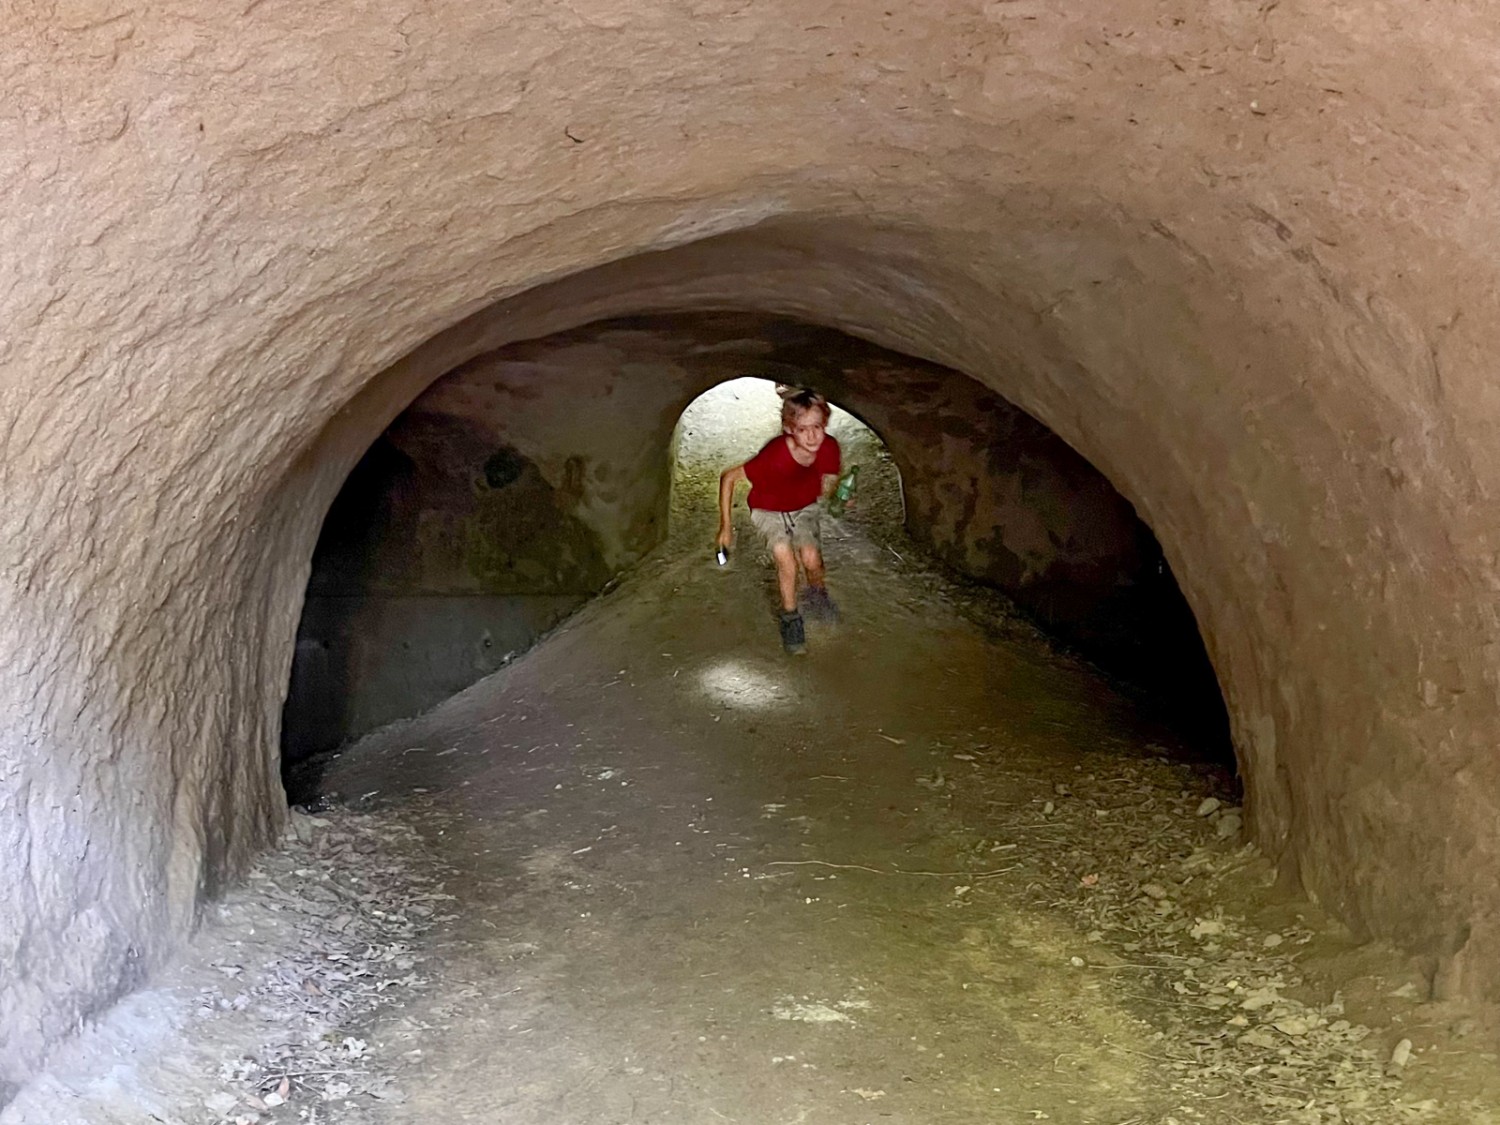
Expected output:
(788, 478)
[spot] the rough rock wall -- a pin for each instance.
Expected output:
(1241, 257)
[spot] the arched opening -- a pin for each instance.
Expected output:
(1166, 423)
(604, 786)
(524, 481)
(1233, 259)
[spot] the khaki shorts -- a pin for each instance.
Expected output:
(802, 528)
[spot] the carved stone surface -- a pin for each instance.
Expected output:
(1242, 258)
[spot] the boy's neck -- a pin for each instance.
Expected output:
(799, 455)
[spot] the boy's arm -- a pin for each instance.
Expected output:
(831, 475)
(727, 480)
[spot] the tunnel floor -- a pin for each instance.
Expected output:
(922, 875)
(656, 871)
(709, 882)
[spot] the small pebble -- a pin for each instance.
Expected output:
(1400, 1056)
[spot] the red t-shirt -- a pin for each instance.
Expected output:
(779, 484)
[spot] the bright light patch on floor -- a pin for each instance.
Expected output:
(737, 684)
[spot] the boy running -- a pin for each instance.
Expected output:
(788, 478)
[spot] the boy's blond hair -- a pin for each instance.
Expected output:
(795, 404)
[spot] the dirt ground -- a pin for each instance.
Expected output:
(656, 871)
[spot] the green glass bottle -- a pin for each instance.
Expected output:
(844, 492)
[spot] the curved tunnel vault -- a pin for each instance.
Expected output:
(524, 481)
(1240, 259)
(1192, 481)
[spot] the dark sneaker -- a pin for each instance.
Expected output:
(818, 605)
(793, 635)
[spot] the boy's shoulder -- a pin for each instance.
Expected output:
(772, 449)
(830, 453)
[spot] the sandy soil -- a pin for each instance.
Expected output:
(931, 872)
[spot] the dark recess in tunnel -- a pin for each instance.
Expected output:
(520, 484)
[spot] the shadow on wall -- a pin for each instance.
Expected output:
(510, 492)
(444, 555)
(1006, 501)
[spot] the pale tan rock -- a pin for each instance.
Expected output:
(1254, 286)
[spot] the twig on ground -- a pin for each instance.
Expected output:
(891, 871)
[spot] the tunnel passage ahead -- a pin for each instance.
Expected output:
(521, 483)
(1240, 258)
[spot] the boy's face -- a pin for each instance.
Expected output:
(808, 429)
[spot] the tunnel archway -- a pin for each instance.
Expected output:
(871, 294)
(863, 281)
(526, 480)
(1156, 239)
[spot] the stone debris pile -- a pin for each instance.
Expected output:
(352, 895)
(1146, 855)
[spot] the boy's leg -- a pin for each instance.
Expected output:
(816, 601)
(786, 574)
(777, 530)
(808, 540)
(793, 635)
(812, 563)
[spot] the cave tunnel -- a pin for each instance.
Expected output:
(524, 482)
(1240, 260)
